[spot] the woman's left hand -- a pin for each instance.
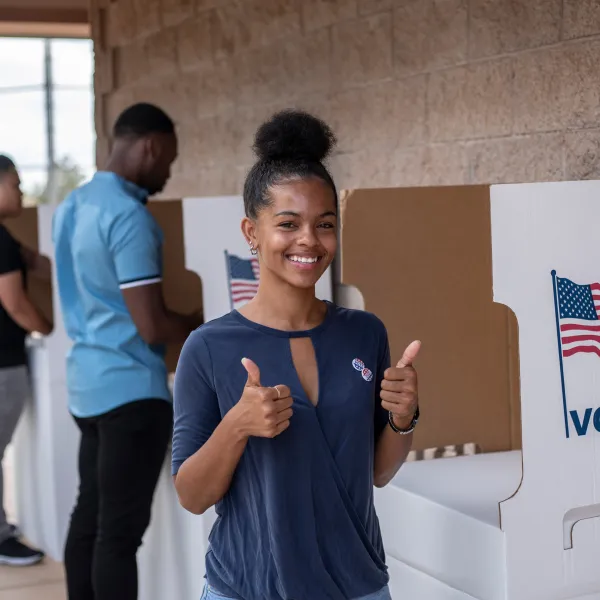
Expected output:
(399, 388)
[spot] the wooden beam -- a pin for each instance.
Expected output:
(44, 15)
(31, 29)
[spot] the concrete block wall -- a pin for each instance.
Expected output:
(420, 92)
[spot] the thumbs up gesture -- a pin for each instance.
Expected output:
(399, 388)
(263, 411)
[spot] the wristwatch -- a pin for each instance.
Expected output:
(411, 426)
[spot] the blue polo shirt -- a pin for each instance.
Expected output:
(106, 240)
(298, 521)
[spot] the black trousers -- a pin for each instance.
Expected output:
(120, 458)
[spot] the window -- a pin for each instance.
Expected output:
(47, 113)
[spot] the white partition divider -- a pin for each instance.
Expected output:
(171, 560)
(47, 439)
(521, 525)
(410, 583)
(440, 518)
(546, 265)
(456, 528)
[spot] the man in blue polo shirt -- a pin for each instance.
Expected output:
(109, 269)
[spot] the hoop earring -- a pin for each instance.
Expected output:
(253, 250)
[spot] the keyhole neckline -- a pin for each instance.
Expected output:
(287, 334)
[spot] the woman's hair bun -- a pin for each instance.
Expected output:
(293, 135)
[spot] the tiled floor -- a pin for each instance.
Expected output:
(40, 582)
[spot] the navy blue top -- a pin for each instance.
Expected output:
(298, 521)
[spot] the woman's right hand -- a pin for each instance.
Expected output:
(262, 411)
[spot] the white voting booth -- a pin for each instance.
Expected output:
(171, 560)
(47, 438)
(517, 521)
(520, 525)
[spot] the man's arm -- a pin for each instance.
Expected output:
(136, 245)
(37, 264)
(17, 304)
(155, 323)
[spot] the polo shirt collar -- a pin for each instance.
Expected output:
(139, 193)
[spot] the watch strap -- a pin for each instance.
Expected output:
(411, 426)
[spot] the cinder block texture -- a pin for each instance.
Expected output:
(499, 26)
(368, 7)
(362, 51)
(419, 92)
(429, 34)
(581, 18)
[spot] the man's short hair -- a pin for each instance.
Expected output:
(6, 165)
(142, 119)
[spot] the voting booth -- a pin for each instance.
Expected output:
(46, 441)
(208, 265)
(44, 459)
(501, 284)
(216, 250)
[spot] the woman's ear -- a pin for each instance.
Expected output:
(249, 231)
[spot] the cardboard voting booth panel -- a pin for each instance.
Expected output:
(519, 521)
(455, 267)
(422, 260)
(182, 289)
(47, 440)
(25, 229)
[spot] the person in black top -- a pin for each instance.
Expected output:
(18, 317)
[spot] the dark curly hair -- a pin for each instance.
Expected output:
(142, 119)
(6, 165)
(291, 145)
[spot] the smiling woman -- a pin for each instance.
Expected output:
(295, 397)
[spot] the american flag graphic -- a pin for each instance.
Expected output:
(578, 307)
(577, 327)
(243, 275)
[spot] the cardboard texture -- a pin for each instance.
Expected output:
(519, 525)
(422, 259)
(182, 289)
(25, 229)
